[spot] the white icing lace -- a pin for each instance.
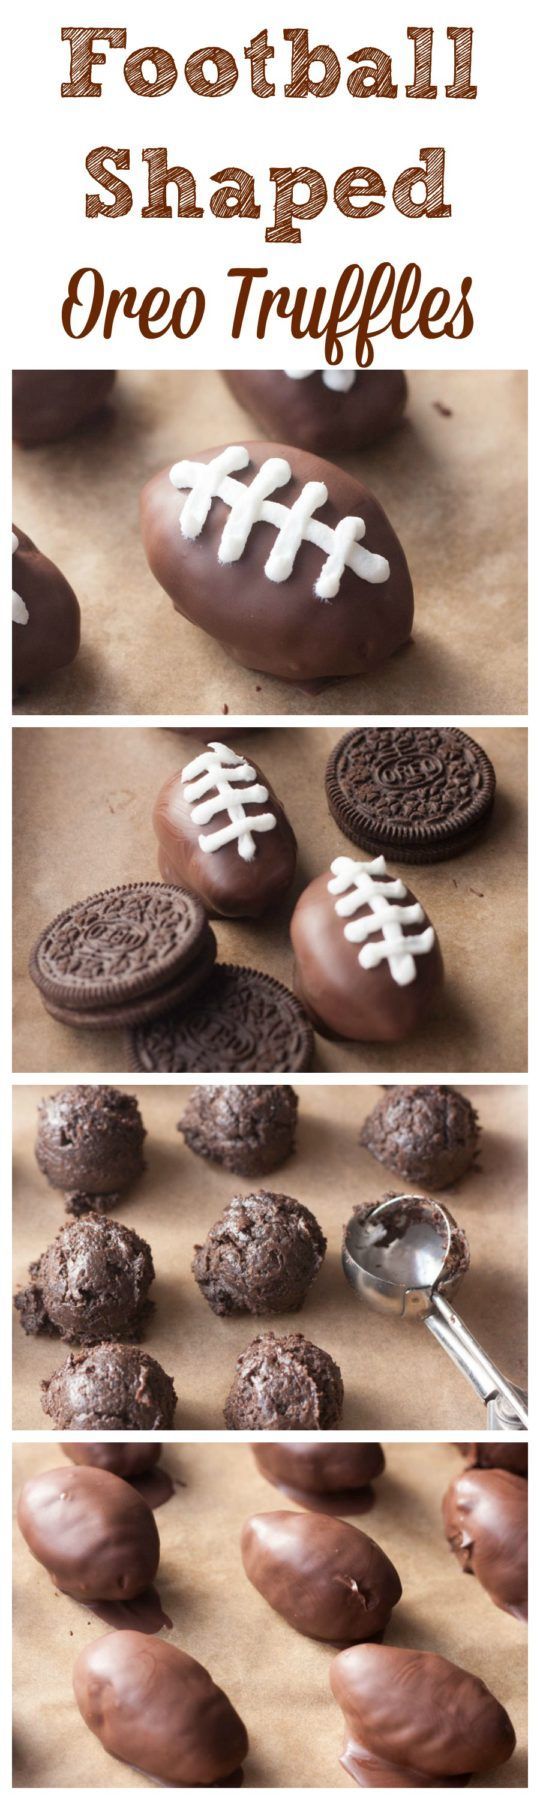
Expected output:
(213, 774)
(363, 884)
(340, 380)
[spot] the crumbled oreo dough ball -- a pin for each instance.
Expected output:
(427, 1134)
(113, 1387)
(284, 1384)
(91, 1283)
(248, 1130)
(261, 1256)
(90, 1143)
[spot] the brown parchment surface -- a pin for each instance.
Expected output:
(277, 1679)
(83, 801)
(452, 479)
(395, 1375)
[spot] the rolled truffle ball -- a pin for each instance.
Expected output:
(126, 1460)
(51, 403)
(325, 1577)
(90, 1143)
(248, 1130)
(91, 1283)
(284, 1384)
(95, 1535)
(485, 1520)
(498, 1455)
(329, 411)
(223, 833)
(353, 981)
(320, 1468)
(427, 1134)
(155, 1708)
(413, 1719)
(46, 616)
(261, 1256)
(114, 1387)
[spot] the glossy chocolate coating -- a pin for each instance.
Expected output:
(342, 999)
(261, 1256)
(155, 1708)
(51, 403)
(500, 1454)
(282, 628)
(90, 1284)
(95, 1535)
(485, 1520)
(50, 636)
(324, 1577)
(249, 1130)
(413, 1719)
(126, 1460)
(316, 417)
(228, 885)
(320, 1468)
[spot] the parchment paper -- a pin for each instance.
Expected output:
(452, 479)
(395, 1375)
(277, 1679)
(82, 822)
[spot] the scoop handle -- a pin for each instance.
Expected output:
(508, 1402)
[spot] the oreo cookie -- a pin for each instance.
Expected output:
(241, 1021)
(421, 794)
(124, 956)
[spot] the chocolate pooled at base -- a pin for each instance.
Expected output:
(249, 1130)
(126, 1460)
(93, 1533)
(90, 1143)
(261, 1256)
(90, 1284)
(157, 1709)
(113, 1387)
(320, 1468)
(414, 1719)
(284, 1384)
(326, 1578)
(428, 1134)
(485, 1514)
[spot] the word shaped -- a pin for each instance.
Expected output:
(359, 884)
(339, 380)
(295, 525)
(19, 611)
(220, 774)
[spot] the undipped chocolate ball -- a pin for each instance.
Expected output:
(51, 403)
(320, 1468)
(261, 1256)
(46, 618)
(284, 1384)
(95, 1535)
(325, 1577)
(154, 1707)
(249, 1130)
(485, 1519)
(126, 1460)
(413, 1719)
(90, 1143)
(91, 1283)
(427, 1134)
(114, 1387)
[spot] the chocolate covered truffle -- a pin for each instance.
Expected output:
(46, 618)
(90, 1143)
(154, 1707)
(96, 1536)
(261, 1256)
(288, 561)
(91, 1283)
(427, 1134)
(368, 964)
(126, 1460)
(113, 1387)
(284, 1384)
(413, 1719)
(51, 403)
(223, 833)
(248, 1130)
(331, 410)
(485, 1520)
(325, 1577)
(320, 1468)
(500, 1454)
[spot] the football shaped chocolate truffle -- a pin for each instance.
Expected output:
(413, 1719)
(284, 1384)
(46, 615)
(91, 1283)
(249, 1130)
(90, 1143)
(96, 1536)
(324, 410)
(338, 1469)
(288, 561)
(126, 1460)
(51, 403)
(223, 833)
(485, 1520)
(113, 1387)
(325, 1577)
(154, 1707)
(428, 1134)
(502, 1453)
(261, 1256)
(367, 960)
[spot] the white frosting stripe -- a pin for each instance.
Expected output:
(295, 525)
(208, 783)
(19, 610)
(339, 380)
(359, 884)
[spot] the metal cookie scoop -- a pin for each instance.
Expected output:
(406, 1255)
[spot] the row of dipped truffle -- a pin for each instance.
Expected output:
(410, 1716)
